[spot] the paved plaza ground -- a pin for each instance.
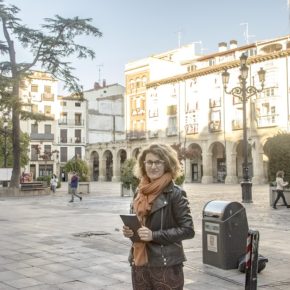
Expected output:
(48, 243)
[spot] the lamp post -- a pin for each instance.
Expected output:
(243, 93)
(5, 126)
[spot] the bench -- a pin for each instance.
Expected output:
(273, 195)
(37, 185)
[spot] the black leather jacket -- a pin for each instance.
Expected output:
(171, 222)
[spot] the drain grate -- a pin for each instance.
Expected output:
(90, 234)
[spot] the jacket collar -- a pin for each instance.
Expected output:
(161, 200)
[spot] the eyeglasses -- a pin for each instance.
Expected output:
(158, 163)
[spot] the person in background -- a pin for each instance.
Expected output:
(53, 183)
(164, 212)
(74, 182)
(280, 188)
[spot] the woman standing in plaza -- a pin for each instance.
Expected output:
(164, 212)
(280, 188)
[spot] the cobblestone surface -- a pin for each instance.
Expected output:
(48, 243)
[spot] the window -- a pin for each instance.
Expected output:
(78, 119)
(63, 118)
(45, 170)
(47, 129)
(77, 104)
(63, 104)
(78, 152)
(34, 88)
(34, 128)
(47, 152)
(63, 154)
(34, 152)
(47, 110)
(47, 89)
(63, 136)
(78, 136)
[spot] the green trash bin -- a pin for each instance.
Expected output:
(224, 233)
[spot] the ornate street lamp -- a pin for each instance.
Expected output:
(243, 93)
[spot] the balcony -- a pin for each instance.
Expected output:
(74, 140)
(136, 135)
(153, 134)
(71, 122)
(191, 128)
(237, 124)
(41, 137)
(213, 103)
(214, 126)
(267, 121)
(171, 131)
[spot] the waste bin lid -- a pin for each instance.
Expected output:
(215, 208)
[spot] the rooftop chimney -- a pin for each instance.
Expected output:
(97, 86)
(233, 44)
(222, 46)
(104, 83)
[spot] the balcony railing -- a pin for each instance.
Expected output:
(71, 122)
(75, 140)
(153, 134)
(267, 121)
(237, 124)
(214, 126)
(42, 136)
(191, 128)
(131, 135)
(171, 131)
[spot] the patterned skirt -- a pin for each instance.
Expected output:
(158, 278)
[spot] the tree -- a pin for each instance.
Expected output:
(24, 143)
(278, 151)
(127, 174)
(80, 166)
(50, 48)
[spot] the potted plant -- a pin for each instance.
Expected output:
(82, 169)
(129, 181)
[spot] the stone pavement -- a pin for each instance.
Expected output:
(48, 243)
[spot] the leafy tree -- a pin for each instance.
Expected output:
(24, 143)
(127, 174)
(50, 47)
(278, 151)
(80, 166)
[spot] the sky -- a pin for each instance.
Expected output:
(135, 29)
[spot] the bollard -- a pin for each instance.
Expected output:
(252, 260)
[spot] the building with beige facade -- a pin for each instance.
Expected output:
(178, 98)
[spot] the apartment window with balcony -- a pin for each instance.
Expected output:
(191, 106)
(34, 152)
(237, 122)
(63, 154)
(47, 129)
(172, 126)
(47, 110)
(78, 152)
(63, 118)
(214, 102)
(63, 135)
(34, 128)
(47, 150)
(78, 119)
(191, 124)
(215, 121)
(78, 136)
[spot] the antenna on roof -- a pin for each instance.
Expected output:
(246, 32)
(99, 70)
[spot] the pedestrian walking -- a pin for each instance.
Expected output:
(74, 182)
(280, 184)
(53, 183)
(164, 213)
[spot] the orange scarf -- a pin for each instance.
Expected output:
(147, 193)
